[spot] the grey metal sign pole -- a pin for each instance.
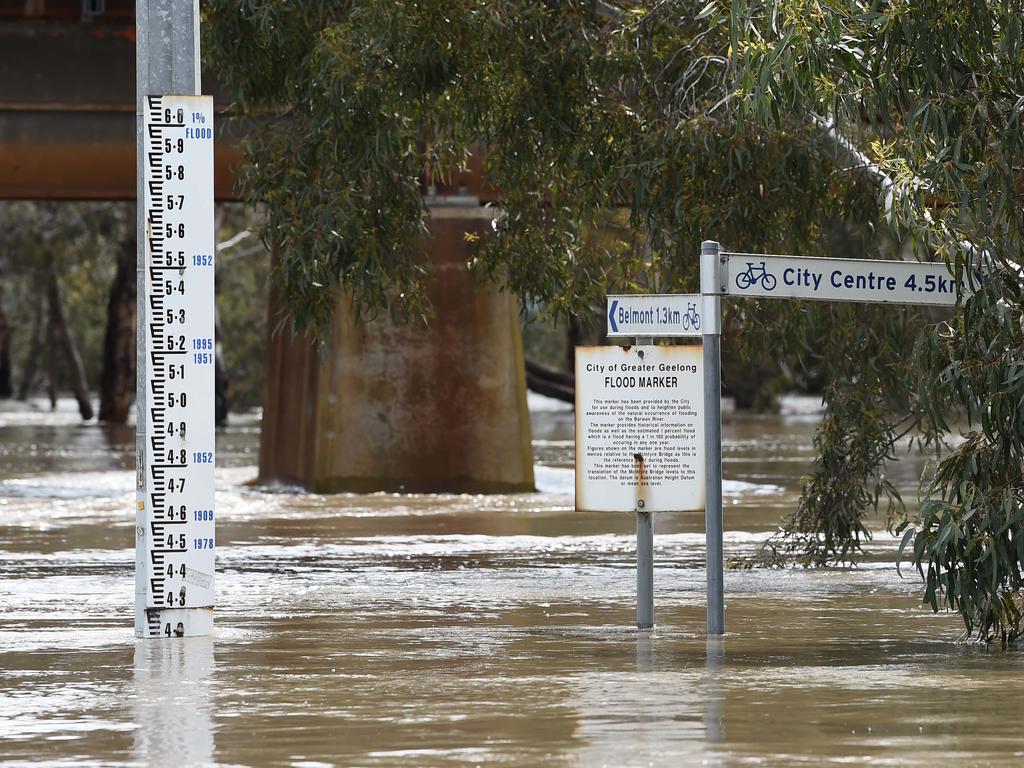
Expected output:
(644, 554)
(711, 289)
(644, 570)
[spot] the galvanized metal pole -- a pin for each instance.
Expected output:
(644, 554)
(166, 61)
(711, 289)
(644, 570)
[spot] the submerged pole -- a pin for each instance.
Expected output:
(644, 570)
(711, 288)
(644, 555)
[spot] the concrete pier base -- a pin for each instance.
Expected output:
(407, 408)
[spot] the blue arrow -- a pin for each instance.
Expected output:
(611, 316)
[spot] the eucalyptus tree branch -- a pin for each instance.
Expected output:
(894, 193)
(233, 241)
(608, 11)
(853, 154)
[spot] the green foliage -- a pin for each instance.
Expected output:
(858, 433)
(935, 89)
(933, 86)
(574, 110)
(969, 542)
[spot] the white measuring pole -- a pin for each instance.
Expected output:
(174, 555)
(711, 289)
(644, 552)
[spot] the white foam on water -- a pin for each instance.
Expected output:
(557, 480)
(70, 485)
(537, 403)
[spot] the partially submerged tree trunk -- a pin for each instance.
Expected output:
(550, 382)
(575, 338)
(221, 402)
(6, 389)
(51, 362)
(220, 397)
(60, 330)
(35, 351)
(117, 378)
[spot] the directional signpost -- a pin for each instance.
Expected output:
(796, 277)
(619, 405)
(724, 273)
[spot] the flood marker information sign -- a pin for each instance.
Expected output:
(639, 428)
(799, 277)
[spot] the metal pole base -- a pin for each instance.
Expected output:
(644, 570)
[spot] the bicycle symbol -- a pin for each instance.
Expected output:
(754, 275)
(691, 317)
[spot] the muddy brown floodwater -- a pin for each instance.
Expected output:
(391, 630)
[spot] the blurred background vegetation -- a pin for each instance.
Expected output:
(84, 238)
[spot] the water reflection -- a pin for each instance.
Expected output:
(172, 705)
(120, 439)
(650, 716)
(644, 651)
(714, 691)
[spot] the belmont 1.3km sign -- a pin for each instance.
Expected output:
(654, 314)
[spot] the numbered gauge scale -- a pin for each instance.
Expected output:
(175, 443)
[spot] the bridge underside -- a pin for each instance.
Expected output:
(67, 108)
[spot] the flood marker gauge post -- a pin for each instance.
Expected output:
(174, 550)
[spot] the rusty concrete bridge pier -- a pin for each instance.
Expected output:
(408, 408)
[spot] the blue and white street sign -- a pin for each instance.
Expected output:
(796, 277)
(654, 315)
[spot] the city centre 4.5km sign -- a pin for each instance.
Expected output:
(639, 429)
(795, 277)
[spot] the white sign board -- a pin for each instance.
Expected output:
(175, 515)
(794, 277)
(639, 428)
(654, 314)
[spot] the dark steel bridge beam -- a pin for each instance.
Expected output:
(67, 106)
